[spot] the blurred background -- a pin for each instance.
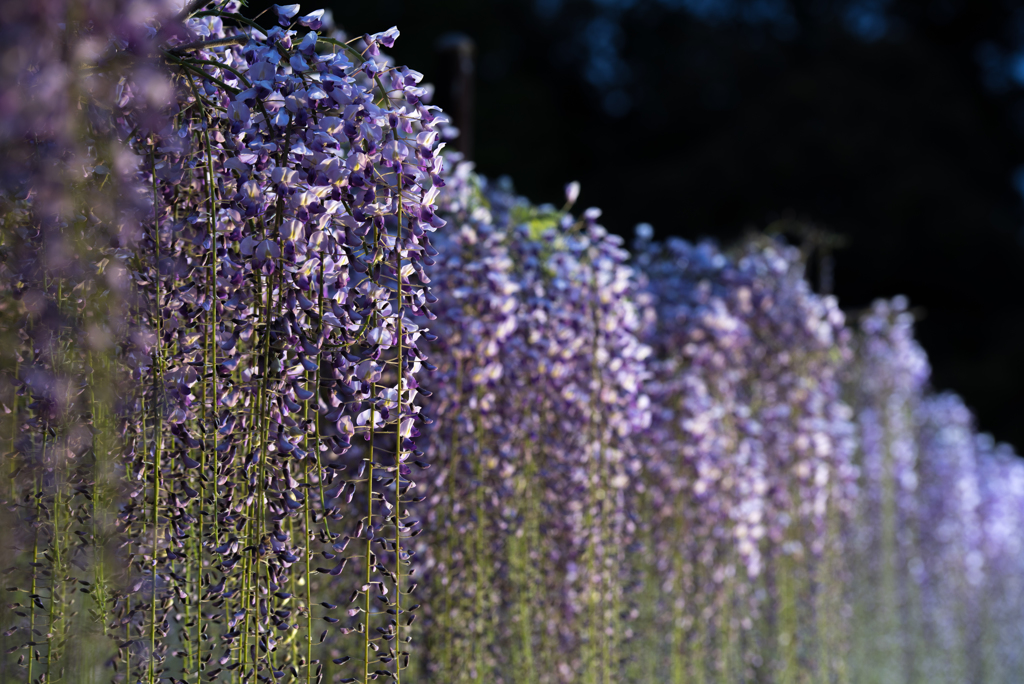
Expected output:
(889, 133)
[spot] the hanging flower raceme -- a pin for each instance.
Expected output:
(888, 381)
(539, 391)
(944, 581)
(1001, 596)
(933, 506)
(749, 424)
(218, 243)
(274, 226)
(581, 322)
(477, 426)
(70, 207)
(294, 206)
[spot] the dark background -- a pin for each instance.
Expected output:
(898, 125)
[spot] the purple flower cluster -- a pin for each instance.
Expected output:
(748, 455)
(763, 465)
(222, 245)
(539, 387)
(888, 379)
(288, 179)
(935, 548)
(70, 201)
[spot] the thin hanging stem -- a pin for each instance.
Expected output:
(319, 465)
(369, 538)
(398, 437)
(158, 426)
(209, 369)
(56, 563)
(36, 494)
(309, 589)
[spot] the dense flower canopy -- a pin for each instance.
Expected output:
(248, 300)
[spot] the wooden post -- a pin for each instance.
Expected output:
(456, 60)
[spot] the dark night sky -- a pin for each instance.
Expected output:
(897, 124)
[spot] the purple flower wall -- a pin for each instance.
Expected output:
(290, 394)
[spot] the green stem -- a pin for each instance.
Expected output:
(369, 539)
(209, 369)
(319, 465)
(323, 500)
(260, 527)
(398, 440)
(36, 494)
(484, 638)
(453, 476)
(677, 636)
(55, 572)
(519, 562)
(99, 497)
(14, 429)
(309, 596)
(158, 427)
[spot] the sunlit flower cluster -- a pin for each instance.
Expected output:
(539, 393)
(748, 443)
(276, 275)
